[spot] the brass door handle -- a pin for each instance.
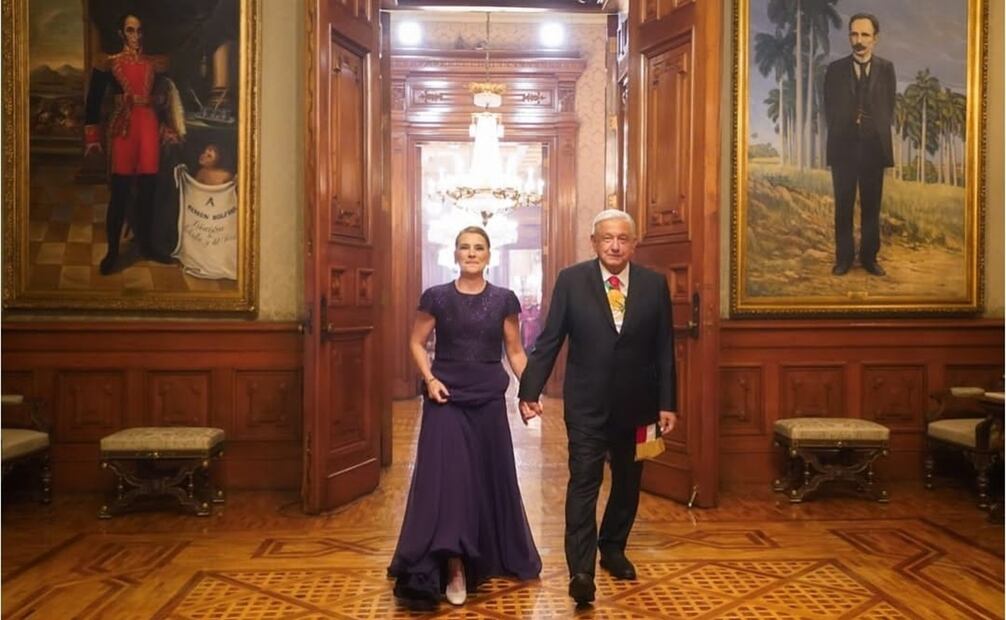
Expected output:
(691, 329)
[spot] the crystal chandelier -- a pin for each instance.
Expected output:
(487, 188)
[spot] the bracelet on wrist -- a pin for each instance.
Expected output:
(430, 380)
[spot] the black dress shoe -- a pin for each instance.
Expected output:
(874, 269)
(618, 565)
(840, 269)
(581, 588)
(107, 265)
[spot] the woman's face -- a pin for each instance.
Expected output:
(472, 253)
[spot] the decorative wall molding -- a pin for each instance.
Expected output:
(96, 378)
(876, 370)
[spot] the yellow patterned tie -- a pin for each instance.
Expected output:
(616, 298)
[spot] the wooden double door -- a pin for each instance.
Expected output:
(664, 169)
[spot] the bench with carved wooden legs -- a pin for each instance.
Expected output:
(162, 461)
(820, 450)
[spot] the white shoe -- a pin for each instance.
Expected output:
(456, 591)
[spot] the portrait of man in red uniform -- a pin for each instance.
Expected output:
(135, 133)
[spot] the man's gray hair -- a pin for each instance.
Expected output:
(612, 214)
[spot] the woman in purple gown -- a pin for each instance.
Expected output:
(464, 521)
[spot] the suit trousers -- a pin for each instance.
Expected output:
(865, 174)
(588, 447)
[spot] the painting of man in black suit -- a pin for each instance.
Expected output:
(859, 96)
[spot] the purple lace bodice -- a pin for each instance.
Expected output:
(469, 327)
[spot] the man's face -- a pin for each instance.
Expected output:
(614, 243)
(132, 32)
(209, 157)
(862, 38)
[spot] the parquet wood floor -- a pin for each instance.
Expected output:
(924, 555)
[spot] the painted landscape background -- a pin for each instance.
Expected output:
(790, 207)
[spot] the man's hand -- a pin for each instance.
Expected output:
(529, 410)
(667, 421)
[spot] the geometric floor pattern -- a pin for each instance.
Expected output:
(927, 554)
(820, 569)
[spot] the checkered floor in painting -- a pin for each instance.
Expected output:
(66, 242)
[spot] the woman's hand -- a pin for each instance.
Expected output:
(437, 390)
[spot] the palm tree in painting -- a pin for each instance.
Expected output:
(774, 54)
(820, 17)
(787, 14)
(921, 95)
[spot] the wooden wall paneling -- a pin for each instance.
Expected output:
(96, 378)
(403, 383)
(91, 404)
(223, 391)
(895, 395)
(384, 230)
(741, 405)
(988, 376)
(812, 391)
(611, 117)
(877, 370)
(268, 405)
(178, 398)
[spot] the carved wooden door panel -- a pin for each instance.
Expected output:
(344, 391)
(671, 188)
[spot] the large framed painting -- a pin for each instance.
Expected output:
(130, 155)
(858, 152)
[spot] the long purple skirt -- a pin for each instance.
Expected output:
(464, 499)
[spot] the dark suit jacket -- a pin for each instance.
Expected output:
(626, 377)
(840, 108)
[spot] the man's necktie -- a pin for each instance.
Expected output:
(616, 298)
(862, 75)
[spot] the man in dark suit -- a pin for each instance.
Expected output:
(859, 95)
(619, 376)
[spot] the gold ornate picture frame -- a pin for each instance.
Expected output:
(153, 138)
(799, 118)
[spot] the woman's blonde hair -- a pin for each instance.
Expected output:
(476, 230)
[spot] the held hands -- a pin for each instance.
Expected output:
(529, 410)
(437, 390)
(667, 421)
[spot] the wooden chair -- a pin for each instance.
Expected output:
(961, 423)
(25, 442)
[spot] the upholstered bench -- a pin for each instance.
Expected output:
(26, 445)
(820, 450)
(169, 461)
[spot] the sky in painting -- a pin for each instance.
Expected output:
(55, 33)
(914, 35)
